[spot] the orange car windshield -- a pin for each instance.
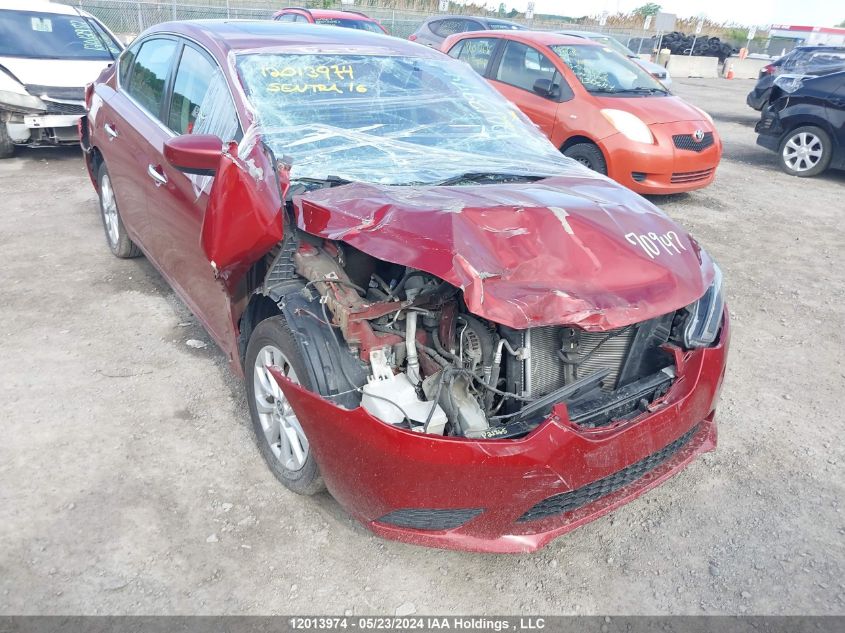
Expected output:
(601, 70)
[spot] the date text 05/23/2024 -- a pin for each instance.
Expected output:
(417, 623)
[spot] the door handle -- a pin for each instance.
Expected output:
(109, 128)
(158, 177)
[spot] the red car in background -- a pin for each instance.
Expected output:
(346, 18)
(470, 340)
(598, 107)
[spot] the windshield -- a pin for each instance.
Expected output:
(390, 120)
(361, 25)
(604, 71)
(52, 36)
(615, 44)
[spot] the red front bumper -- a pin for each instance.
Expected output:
(373, 469)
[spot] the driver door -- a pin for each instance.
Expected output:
(520, 67)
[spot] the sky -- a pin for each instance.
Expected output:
(759, 12)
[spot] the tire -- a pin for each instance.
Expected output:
(7, 147)
(116, 237)
(588, 155)
(287, 454)
(817, 151)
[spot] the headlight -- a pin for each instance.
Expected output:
(629, 125)
(705, 316)
(15, 97)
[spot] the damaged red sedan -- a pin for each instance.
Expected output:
(469, 339)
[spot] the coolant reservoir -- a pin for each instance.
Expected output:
(381, 398)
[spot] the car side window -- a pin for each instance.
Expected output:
(149, 73)
(450, 26)
(521, 66)
(476, 52)
(201, 102)
(125, 64)
(287, 17)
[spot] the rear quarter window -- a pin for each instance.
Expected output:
(476, 52)
(450, 26)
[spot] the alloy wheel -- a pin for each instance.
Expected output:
(282, 430)
(803, 151)
(108, 206)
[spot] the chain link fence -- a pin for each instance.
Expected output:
(128, 18)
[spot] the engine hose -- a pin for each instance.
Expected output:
(492, 382)
(488, 348)
(442, 350)
(413, 361)
(433, 353)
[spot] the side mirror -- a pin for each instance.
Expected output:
(545, 88)
(197, 154)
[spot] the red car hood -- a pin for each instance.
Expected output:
(655, 109)
(560, 251)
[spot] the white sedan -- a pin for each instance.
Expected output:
(48, 53)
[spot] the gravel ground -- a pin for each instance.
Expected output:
(129, 482)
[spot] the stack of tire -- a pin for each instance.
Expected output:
(680, 44)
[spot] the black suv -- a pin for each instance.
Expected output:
(803, 60)
(805, 123)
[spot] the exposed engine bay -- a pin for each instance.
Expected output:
(413, 355)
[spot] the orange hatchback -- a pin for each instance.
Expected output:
(598, 107)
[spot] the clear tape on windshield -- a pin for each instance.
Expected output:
(389, 119)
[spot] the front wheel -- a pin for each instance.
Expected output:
(588, 155)
(280, 437)
(805, 151)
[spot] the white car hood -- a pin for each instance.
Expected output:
(650, 66)
(66, 73)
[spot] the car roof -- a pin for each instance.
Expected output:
(810, 47)
(238, 35)
(38, 6)
(545, 38)
(477, 18)
(583, 34)
(331, 13)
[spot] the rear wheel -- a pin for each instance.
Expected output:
(588, 155)
(805, 151)
(279, 435)
(116, 235)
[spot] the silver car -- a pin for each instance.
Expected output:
(655, 70)
(435, 29)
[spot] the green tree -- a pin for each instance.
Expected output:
(502, 9)
(513, 13)
(842, 24)
(651, 8)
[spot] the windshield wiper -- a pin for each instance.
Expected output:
(475, 176)
(647, 91)
(331, 181)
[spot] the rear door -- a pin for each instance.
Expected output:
(129, 119)
(516, 74)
